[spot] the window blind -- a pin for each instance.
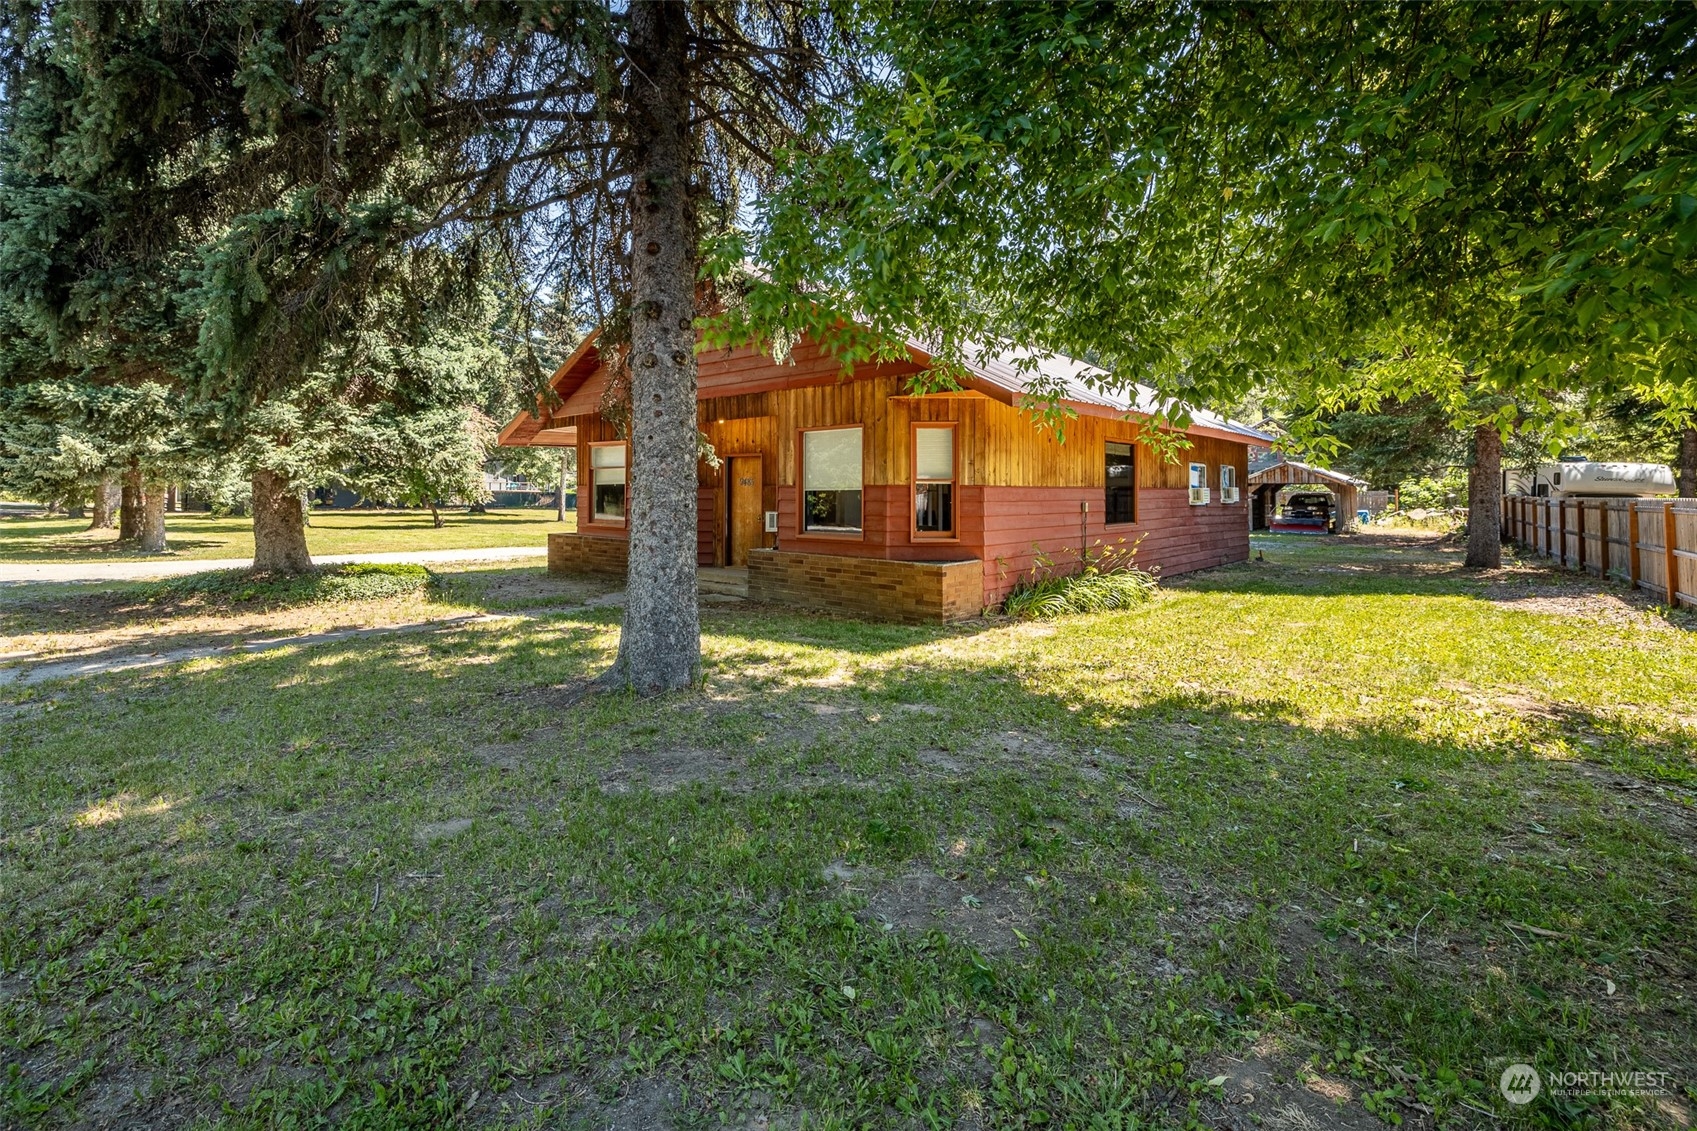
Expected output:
(934, 453)
(831, 460)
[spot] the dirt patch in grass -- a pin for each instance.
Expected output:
(1615, 609)
(523, 588)
(664, 771)
(1263, 1091)
(988, 917)
(649, 1104)
(535, 1102)
(1017, 750)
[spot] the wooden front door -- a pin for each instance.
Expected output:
(746, 514)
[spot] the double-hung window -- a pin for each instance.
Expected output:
(831, 481)
(1121, 477)
(934, 480)
(607, 482)
(1228, 483)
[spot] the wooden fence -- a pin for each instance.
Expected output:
(1644, 542)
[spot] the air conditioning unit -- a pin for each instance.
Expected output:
(1227, 495)
(771, 522)
(1199, 496)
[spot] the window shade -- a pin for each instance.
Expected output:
(831, 460)
(608, 455)
(934, 453)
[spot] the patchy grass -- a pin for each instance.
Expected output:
(56, 621)
(203, 537)
(1327, 840)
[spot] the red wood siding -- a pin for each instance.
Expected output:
(1177, 537)
(1019, 486)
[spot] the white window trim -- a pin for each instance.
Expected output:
(624, 451)
(1228, 483)
(1199, 496)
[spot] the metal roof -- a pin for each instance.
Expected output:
(1315, 474)
(1083, 383)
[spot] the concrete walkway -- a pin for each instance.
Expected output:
(27, 573)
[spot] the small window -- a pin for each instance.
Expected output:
(607, 482)
(1122, 484)
(934, 480)
(1228, 483)
(1199, 493)
(831, 481)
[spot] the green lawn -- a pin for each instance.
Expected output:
(1327, 840)
(201, 536)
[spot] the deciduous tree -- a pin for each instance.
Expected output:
(1205, 196)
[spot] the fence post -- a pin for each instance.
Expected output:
(1579, 554)
(1561, 531)
(1670, 539)
(1633, 564)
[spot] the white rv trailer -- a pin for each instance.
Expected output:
(1595, 479)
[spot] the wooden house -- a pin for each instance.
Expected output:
(848, 492)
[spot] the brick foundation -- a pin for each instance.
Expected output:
(874, 588)
(585, 553)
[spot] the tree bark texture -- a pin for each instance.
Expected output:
(129, 506)
(660, 645)
(279, 529)
(1688, 463)
(151, 538)
(1485, 499)
(106, 499)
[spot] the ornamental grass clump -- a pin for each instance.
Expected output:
(1108, 578)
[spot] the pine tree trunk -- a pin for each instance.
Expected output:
(129, 506)
(1688, 463)
(1485, 499)
(660, 645)
(151, 538)
(279, 532)
(106, 497)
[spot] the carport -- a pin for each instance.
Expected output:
(1265, 485)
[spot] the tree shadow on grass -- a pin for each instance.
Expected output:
(280, 838)
(202, 613)
(78, 551)
(1526, 584)
(450, 519)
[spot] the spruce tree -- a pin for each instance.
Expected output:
(586, 147)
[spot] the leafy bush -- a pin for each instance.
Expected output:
(1434, 493)
(356, 582)
(1108, 578)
